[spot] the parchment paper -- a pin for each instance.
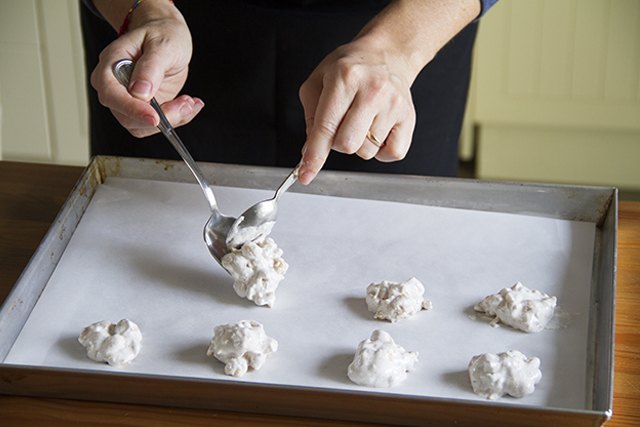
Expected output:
(138, 253)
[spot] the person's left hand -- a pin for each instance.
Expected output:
(357, 101)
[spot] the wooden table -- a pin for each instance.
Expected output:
(32, 194)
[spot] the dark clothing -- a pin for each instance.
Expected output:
(250, 58)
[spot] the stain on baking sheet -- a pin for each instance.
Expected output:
(166, 164)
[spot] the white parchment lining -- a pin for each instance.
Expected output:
(138, 253)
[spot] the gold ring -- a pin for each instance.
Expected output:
(375, 141)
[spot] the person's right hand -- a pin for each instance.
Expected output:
(161, 48)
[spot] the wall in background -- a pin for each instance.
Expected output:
(42, 89)
(555, 95)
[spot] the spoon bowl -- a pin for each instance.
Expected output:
(257, 221)
(217, 227)
(215, 234)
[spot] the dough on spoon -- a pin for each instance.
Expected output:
(239, 235)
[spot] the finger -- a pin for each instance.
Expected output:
(309, 95)
(150, 70)
(332, 105)
(377, 135)
(397, 143)
(396, 127)
(374, 112)
(138, 113)
(371, 145)
(351, 135)
(182, 110)
(367, 150)
(179, 111)
(114, 96)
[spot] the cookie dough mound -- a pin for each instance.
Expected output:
(380, 362)
(511, 372)
(241, 346)
(238, 236)
(116, 344)
(394, 301)
(257, 268)
(519, 307)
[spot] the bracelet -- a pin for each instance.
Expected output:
(125, 25)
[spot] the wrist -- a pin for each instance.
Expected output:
(149, 11)
(405, 60)
(411, 33)
(116, 12)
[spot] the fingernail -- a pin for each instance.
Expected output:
(149, 119)
(141, 88)
(306, 178)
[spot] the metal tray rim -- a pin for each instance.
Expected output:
(604, 199)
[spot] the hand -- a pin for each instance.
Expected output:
(363, 86)
(355, 90)
(161, 48)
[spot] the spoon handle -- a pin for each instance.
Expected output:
(122, 71)
(288, 182)
(170, 133)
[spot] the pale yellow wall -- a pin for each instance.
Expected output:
(42, 92)
(557, 95)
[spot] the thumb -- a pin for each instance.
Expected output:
(148, 74)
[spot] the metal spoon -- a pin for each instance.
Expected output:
(257, 221)
(217, 228)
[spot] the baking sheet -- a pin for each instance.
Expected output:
(138, 253)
